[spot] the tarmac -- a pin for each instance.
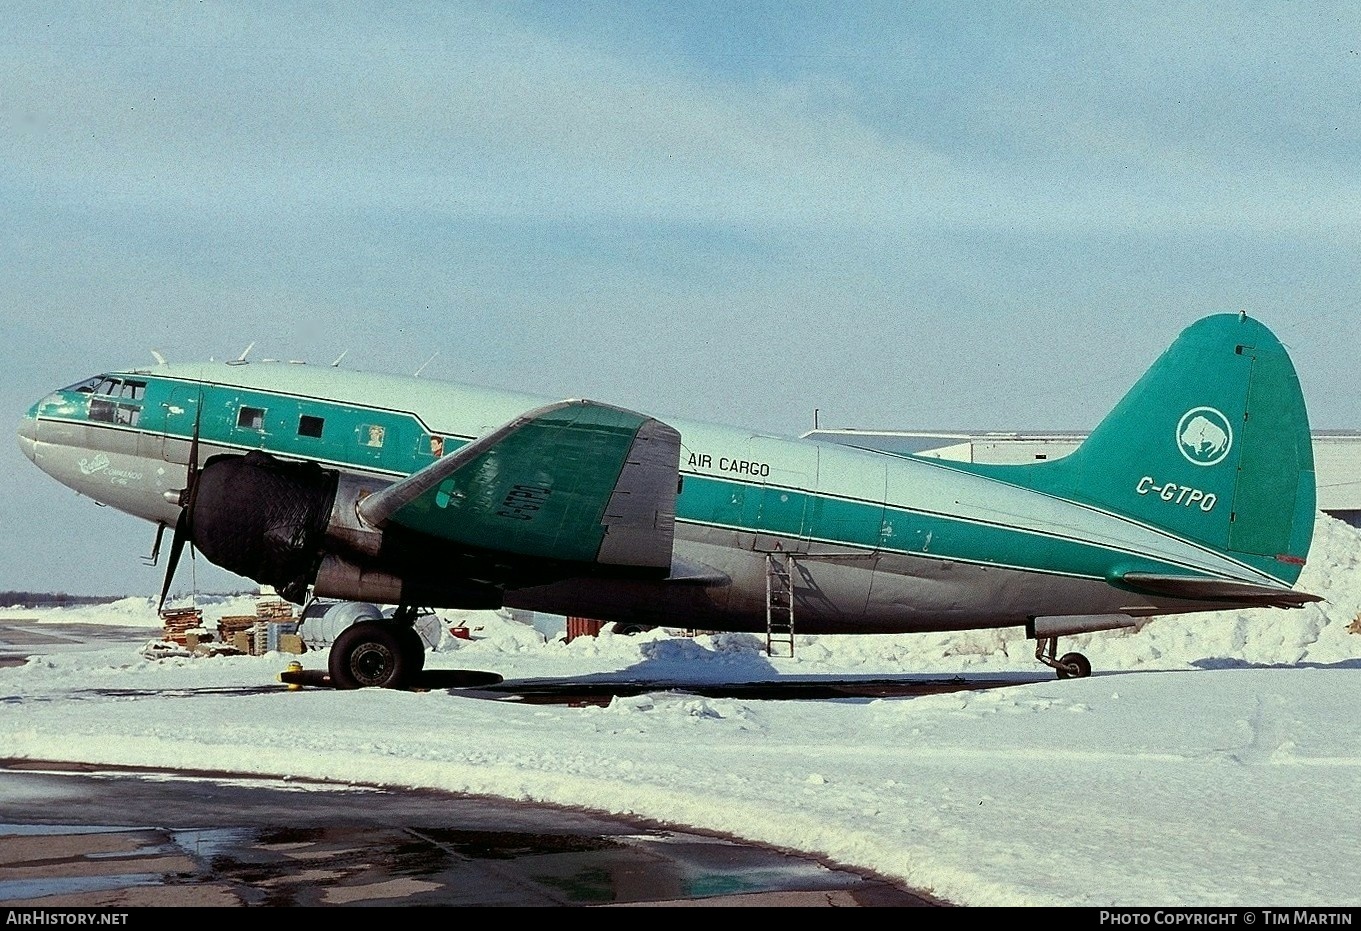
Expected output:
(84, 836)
(89, 837)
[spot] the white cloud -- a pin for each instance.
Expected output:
(478, 115)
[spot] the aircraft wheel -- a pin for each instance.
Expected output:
(1074, 666)
(370, 654)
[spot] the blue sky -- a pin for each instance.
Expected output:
(913, 215)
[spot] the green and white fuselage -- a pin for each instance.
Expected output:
(1196, 494)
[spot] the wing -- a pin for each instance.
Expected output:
(575, 481)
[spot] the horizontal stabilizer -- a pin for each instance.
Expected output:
(1243, 594)
(574, 481)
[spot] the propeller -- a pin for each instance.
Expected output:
(184, 526)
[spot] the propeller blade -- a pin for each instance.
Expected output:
(184, 526)
(176, 548)
(191, 476)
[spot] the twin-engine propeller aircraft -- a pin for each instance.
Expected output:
(1195, 494)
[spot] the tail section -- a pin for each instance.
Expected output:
(1212, 444)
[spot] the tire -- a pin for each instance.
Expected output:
(630, 630)
(370, 654)
(1075, 666)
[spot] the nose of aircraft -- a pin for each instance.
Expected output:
(28, 432)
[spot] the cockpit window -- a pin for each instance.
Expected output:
(86, 387)
(115, 401)
(110, 387)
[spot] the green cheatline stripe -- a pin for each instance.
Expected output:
(1005, 475)
(704, 500)
(711, 502)
(857, 521)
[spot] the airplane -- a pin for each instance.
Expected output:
(1196, 493)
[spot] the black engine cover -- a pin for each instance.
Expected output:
(263, 518)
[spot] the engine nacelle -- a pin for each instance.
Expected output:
(341, 578)
(295, 526)
(264, 518)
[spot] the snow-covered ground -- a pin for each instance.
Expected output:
(1213, 759)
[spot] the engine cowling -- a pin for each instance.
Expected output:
(264, 518)
(294, 525)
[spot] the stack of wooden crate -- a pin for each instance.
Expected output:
(235, 629)
(275, 627)
(179, 621)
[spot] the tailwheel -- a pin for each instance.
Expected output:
(1067, 666)
(1073, 666)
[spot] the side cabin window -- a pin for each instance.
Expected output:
(311, 426)
(381, 445)
(372, 435)
(115, 400)
(251, 418)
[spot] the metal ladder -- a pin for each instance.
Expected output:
(779, 602)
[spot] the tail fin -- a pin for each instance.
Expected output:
(1212, 444)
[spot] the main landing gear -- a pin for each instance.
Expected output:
(385, 654)
(1068, 666)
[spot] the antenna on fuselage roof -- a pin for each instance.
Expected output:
(336, 363)
(417, 373)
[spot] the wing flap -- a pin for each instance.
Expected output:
(1204, 589)
(574, 481)
(637, 531)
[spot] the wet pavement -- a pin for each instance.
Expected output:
(74, 835)
(80, 836)
(19, 637)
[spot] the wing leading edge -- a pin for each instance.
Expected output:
(572, 481)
